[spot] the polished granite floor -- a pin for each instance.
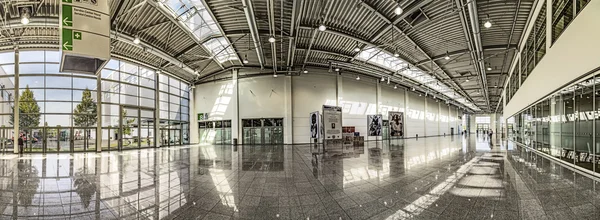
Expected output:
(429, 178)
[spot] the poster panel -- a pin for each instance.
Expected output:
(332, 122)
(396, 124)
(315, 124)
(348, 135)
(374, 123)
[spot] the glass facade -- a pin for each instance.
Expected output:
(58, 110)
(174, 114)
(564, 125)
(563, 13)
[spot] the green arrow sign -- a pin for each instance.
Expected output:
(67, 39)
(67, 15)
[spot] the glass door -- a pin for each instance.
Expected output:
(6, 141)
(147, 128)
(129, 128)
(84, 139)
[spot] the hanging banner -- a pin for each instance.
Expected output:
(374, 123)
(315, 124)
(332, 118)
(396, 120)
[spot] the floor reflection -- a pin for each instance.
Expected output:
(429, 178)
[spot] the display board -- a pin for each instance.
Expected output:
(315, 124)
(374, 123)
(348, 135)
(396, 120)
(332, 118)
(85, 35)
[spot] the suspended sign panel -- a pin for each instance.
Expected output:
(85, 35)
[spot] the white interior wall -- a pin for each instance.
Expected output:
(432, 118)
(573, 55)
(415, 117)
(295, 97)
(444, 119)
(358, 99)
(310, 92)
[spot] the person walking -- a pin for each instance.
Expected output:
(20, 141)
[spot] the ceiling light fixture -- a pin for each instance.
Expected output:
(337, 69)
(25, 16)
(357, 77)
(489, 68)
(395, 86)
(447, 57)
(275, 75)
(382, 78)
(272, 39)
(398, 10)
(467, 80)
(388, 82)
(488, 23)
(413, 89)
(245, 59)
(322, 28)
(136, 40)
(305, 71)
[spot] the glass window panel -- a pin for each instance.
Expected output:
(129, 68)
(31, 81)
(184, 110)
(7, 69)
(129, 90)
(110, 74)
(174, 99)
(185, 94)
(174, 107)
(7, 82)
(78, 95)
(164, 106)
(109, 86)
(112, 64)
(58, 95)
(7, 58)
(174, 82)
(185, 117)
(147, 114)
(110, 109)
(84, 83)
(173, 115)
(147, 73)
(147, 102)
(162, 78)
(59, 107)
(52, 68)
(110, 121)
(38, 94)
(129, 100)
(164, 114)
(128, 78)
(163, 87)
(58, 82)
(31, 56)
(163, 97)
(110, 97)
(174, 91)
(147, 93)
(147, 82)
(31, 68)
(185, 102)
(53, 56)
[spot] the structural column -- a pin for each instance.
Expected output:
(16, 106)
(236, 129)
(157, 133)
(99, 113)
(193, 116)
(289, 117)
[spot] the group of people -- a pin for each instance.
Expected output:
(489, 132)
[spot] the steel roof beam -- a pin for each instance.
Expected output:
(296, 14)
(271, 16)
(315, 32)
(249, 12)
(460, 52)
(474, 18)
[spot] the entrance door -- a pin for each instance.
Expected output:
(136, 127)
(267, 131)
(6, 140)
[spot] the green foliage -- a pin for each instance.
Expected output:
(85, 113)
(29, 111)
(126, 123)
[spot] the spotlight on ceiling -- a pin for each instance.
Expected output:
(489, 68)
(337, 69)
(395, 86)
(136, 40)
(447, 57)
(322, 28)
(356, 49)
(25, 16)
(357, 77)
(245, 59)
(272, 39)
(413, 89)
(382, 78)
(488, 23)
(467, 80)
(396, 54)
(275, 75)
(305, 71)
(398, 10)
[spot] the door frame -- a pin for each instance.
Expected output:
(139, 121)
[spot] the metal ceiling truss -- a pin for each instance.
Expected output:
(250, 18)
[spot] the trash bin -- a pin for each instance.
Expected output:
(235, 143)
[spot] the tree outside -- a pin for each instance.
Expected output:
(127, 124)
(85, 115)
(29, 114)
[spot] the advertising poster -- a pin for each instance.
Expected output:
(374, 123)
(396, 124)
(348, 134)
(332, 122)
(315, 122)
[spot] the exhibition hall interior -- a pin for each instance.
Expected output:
(299, 109)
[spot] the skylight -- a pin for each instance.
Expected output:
(196, 17)
(386, 60)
